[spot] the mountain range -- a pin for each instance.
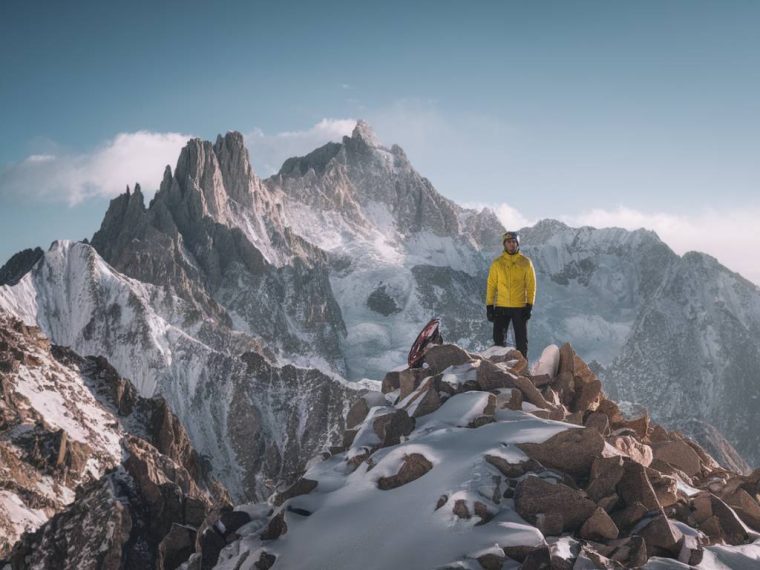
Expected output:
(260, 309)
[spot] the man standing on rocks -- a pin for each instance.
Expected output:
(510, 293)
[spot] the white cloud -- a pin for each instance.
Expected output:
(730, 235)
(125, 159)
(268, 152)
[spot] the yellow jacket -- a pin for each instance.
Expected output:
(511, 281)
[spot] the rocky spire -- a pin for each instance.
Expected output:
(235, 165)
(363, 132)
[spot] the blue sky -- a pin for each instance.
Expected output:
(606, 113)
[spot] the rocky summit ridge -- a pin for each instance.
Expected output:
(92, 475)
(472, 462)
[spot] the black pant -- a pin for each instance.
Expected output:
(502, 318)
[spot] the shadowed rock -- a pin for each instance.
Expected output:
(415, 465)
(535, 496)
(572, 451)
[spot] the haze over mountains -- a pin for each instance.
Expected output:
(254, 305)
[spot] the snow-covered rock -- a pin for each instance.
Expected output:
(517, 489)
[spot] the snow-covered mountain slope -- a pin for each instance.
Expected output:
(458, 466)
(693, 350)
(401, 253)
(66, 421)
(399, 249)
(592, 284)
(254, 420)
(337, 261)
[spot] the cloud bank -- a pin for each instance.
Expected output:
(268, 152)
(125, 159)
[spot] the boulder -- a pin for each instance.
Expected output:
(535, 496)
(357, 413)
(391, 381)
(303, 486)
(541, 380)
(409, 382)
(491, 376)
(586, 396)
(551, 396)
(491, 560)
(414, 466)
(531, 393)
(509, 470)
(731, 528)
(482, 511)
(590, 558)
(599, 526)
(566, 360)
(460, 509)
(509, 398)
(745, 506)
(612, 411)
(634, 487)
(639, 425)
(550, 524)
(662, 536)
(599, 421)
(701, 507)
(229, 521)
(581, 371)
(194, 511)
(176, 547)
(627, 517)
(665, 487)
(348, 439)
(391, 426)
(630, 446)
(441, 356)
(572, 451)
(424, 400)
(276, 527)
(605, 474)
(690, 550)
(679, 454)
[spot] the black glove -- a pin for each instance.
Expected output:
(489, 313)
(526, 311)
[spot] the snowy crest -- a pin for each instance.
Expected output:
(470, 462)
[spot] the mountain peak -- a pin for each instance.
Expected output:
(362, 131)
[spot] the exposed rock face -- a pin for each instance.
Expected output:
(400, 250)
(715, 312)
(19, 265)
(244, 401)
(114, 470)
(214, 237)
